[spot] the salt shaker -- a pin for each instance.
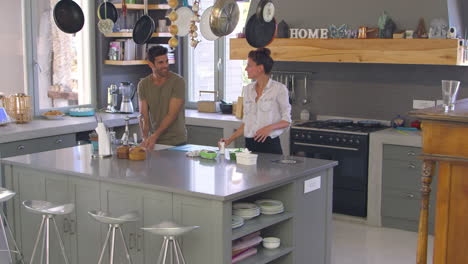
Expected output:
(221, 148)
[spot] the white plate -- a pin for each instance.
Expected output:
(53, 117)
(205, 27)
(272, 213)
(243, 206)
(184, 15)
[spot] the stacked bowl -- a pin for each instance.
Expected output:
(237, 221)
(245, 210)
(270, 207)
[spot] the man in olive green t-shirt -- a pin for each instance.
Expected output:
(161, 97)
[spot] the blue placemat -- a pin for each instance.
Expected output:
(191, 147)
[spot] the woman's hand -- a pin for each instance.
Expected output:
(262, 133)
(226, 141)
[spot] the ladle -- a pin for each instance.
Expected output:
(305, 90)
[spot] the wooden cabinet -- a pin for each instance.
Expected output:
(401, 185)
(444, 143)
(37, 145)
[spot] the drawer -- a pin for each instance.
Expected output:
(37, 145)
(405, 204)
(396, 152)
(398, 174)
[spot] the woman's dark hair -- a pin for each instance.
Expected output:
(261, 56)
(156, 51)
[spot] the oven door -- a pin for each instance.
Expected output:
(349, 176)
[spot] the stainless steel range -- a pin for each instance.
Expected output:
(346, 142)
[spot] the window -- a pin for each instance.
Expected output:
(60, 66)
(209, 67)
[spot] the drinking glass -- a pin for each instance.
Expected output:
(449, 94)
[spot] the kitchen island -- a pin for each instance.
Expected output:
(169, 185)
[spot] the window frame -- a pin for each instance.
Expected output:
(31, 67)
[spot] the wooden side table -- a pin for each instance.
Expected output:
(445, 143)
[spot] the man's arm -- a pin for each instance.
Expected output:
(175, 106)
(144, 120)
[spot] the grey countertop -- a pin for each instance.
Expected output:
(172, 171)
(43, 128)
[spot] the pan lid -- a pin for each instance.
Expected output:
(68, 16)
(224, 17)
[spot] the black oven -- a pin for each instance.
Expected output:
(351, 150)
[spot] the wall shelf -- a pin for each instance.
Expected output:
(142, 7)
(392, 51)
(129, 35)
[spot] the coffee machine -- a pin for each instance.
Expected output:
(127, 91)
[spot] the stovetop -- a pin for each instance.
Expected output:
(342, 125)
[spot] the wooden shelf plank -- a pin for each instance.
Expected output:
(394, 51)
(129, 35)
(264, 255)
(141, 7)
(259, 223)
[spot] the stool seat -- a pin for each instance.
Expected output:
(44, 207)
(6, 194)
(107, 218)
(168, 228)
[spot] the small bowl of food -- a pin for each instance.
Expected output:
(53, 115)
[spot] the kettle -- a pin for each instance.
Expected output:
(127, 90)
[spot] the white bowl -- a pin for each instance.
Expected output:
(271, 242)
(53, 117)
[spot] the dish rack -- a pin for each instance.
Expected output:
(18, 107)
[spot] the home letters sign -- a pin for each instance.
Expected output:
(303, 33)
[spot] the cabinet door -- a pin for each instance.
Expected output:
(119, 200)
(157, 207)
(200, 135)
(42, 186)
(83, 229)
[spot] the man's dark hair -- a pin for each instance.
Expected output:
(156, 51)
(261, 56)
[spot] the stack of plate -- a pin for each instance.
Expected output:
(270, 207)
(237, 221)
(245, 210)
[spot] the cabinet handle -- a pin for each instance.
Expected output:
(411, 166)
(20, 147)
(131, 241)
(58, 141)
(66, 225)
(138, 244)
(411, 153)
(409, 195)
(72, 226)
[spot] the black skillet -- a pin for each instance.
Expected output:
(144, 28)
(259, 34)
(112, 12)
(68, 16)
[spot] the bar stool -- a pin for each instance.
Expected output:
(114, 224)
(6, 195)
(48, 211)
(170, 231)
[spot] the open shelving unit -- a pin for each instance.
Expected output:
(259, 223)
(129, 35)
(392, 51)
(264, 256)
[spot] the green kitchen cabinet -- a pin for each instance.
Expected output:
(153, 208)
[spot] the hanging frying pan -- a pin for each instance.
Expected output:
(144, 27)
(224, 17)
(111, 12)
(260, 34)
(68, 16)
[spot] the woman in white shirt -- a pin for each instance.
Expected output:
(267, 112)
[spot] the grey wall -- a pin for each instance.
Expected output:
(377, 91)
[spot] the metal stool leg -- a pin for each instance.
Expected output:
(62, 247)
(161, 251)
(105, 244)
(125, 245)
(112, 246)
(6, 239)
(180, 251)
(165, 250)
(37, 239)
(16, 249)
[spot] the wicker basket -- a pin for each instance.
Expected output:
(208, 106)
(18, 107)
